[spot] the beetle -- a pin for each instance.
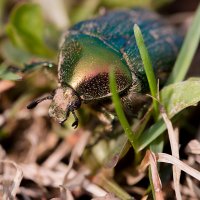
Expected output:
(92, 47)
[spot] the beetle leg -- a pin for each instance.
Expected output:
(34, 65)
(62, 123)
(71, 109)
(135, 104)
(107, 117)
(75, 123)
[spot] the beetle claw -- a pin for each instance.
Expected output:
(62, 123)
(75, 123)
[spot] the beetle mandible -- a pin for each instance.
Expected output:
(92, 47)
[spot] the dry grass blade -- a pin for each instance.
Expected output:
(175, 152)
(65, 194)
(108, 196)
(150, 159)
(33, 192)
(135, 178)
(155, 177)
(77, 151)
(166, 158)
(187, 194)
(53, 177)
(102, 179)
(2, 153)
(138, 190)
(10, 190)
(79, 180)
(93, 189)
(193, 147)
(62, 150)
(42, 176)
(145, 197)
(195, 190)
(6, 85)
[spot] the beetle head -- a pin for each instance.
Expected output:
(65, 100)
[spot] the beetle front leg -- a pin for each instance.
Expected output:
(76, 120)
(75, 123)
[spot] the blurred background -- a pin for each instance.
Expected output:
(31, 31)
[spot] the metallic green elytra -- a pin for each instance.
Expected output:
(91, 48)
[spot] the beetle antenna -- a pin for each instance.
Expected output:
(34, 103)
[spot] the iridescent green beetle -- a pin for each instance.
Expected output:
(92, 47)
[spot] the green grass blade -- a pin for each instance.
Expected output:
(151, 134)
(175, 97)
(120, 113)
(187, 51)
(147, 66)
